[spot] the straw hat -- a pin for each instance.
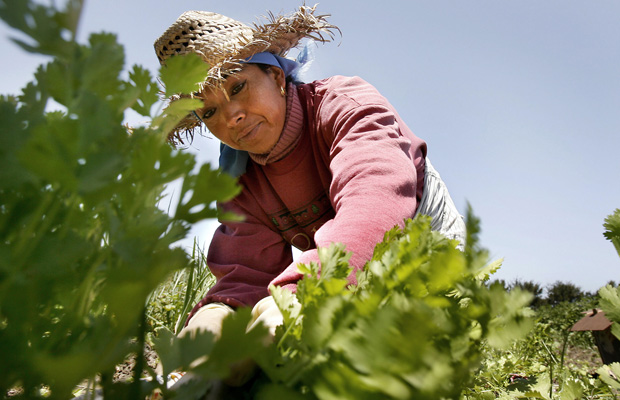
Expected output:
(223, 43)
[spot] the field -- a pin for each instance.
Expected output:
(93, 287)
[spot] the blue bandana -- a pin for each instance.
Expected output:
(234, 162)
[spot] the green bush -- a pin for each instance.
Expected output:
(563, 292)
(82, 241)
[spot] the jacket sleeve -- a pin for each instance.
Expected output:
(377, 168)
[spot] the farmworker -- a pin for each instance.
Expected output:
(320, 162)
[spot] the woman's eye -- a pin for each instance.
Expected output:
(237, 88)
(209, 113)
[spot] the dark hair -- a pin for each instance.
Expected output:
(265, 68)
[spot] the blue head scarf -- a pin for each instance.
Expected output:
(234, 162)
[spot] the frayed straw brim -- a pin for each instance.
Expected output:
(223, 43)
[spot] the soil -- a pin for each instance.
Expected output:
(124, 371)
(588, 359)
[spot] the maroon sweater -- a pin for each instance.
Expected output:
(346, 169)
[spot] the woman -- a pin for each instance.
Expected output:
(322, 162)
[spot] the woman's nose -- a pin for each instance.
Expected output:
(234, 114)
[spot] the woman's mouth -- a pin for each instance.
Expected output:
(248, 134)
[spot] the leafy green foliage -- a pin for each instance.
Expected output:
(82, 241)
(551, 362)
(612, 226)
(141, 81)
(539, 366)
(411, 328)
(610, 295)
(51, 31)
(183, 74)
(610, 303)
(610, 375)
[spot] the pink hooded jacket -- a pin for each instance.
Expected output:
(346, 169)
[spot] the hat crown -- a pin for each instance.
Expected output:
(205, 33)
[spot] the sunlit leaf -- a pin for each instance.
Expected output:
(610, 303)
(103, 64)
(183, 74)
(177, 353)
(612, 226)
(201, 190)
(610, 374)
(146, 91)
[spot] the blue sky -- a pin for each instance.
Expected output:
(518, 101)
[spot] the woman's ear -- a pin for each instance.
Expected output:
(278, 75)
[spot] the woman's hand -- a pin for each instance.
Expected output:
(266, 312)
(211, 316)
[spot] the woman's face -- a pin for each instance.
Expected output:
(250, 115)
